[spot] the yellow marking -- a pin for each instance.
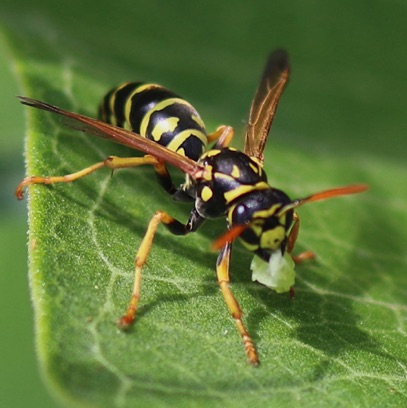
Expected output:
(181, 151)
(237, 192)
(262, 185)
(249, 247)
(244, 189)
(127, 110)
(235, 171)
(164, 126)
(127, 126)
(181, 137)
(257, 169)
(267, 212)
(112, 117)
(206, 193)
(219, 175)
(146, 87)
(254, 167)
(128, 104)
(121, 86)
(208, 173)
(112, 101)
(196, 118)
(211, 153)
(229, 214)
(255, 159)
(160, 106)
(272, 239)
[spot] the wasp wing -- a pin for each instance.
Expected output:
(264, 105)
(125, 137)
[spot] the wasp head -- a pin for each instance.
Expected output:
(266, 227)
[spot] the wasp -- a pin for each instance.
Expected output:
(220, 181)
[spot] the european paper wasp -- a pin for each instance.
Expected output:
(221, 181)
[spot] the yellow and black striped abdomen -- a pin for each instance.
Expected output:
(158, 114)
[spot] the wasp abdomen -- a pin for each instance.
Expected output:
(158, 114)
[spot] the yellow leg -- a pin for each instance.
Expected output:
(223, 134)
(141, 257)
(112, 162)
(222, 272)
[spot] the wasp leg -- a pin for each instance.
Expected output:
(222, 272)
(292, 238)
(141, 257)
(177, 228)
(112, 162)
(304, 256)
(223, 134)
(164, 178)
(293, 235)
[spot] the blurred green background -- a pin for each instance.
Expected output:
(349, 59)
(20, 384)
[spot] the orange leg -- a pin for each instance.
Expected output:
(141, 257)
(222, 272)
(223, 134)
(292, 238)
(112, 162)
(304, 256)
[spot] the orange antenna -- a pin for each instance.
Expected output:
(324, 195)
(229, 236)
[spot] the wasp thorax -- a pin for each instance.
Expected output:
(228, 176)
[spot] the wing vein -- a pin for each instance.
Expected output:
(265, 102)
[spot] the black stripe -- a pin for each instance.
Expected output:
(122, 99)
(143, 102)
(177, 110)
(193, 147)
(104, 109)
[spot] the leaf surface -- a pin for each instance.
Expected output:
(341, 341)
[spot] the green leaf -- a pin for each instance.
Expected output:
(342, 340)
